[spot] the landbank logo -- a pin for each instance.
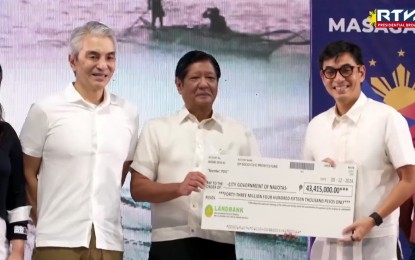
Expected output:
(222, 210)
(209, 211)
(392, 18)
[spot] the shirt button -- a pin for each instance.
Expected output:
(194, 205)
(192, 230)
(199, 126)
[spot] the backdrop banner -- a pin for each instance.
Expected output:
(387, 52)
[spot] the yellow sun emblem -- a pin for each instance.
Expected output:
(372, 17)
(399, 96)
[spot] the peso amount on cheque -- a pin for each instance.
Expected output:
(277, 196)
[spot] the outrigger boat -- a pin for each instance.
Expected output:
(201, 37)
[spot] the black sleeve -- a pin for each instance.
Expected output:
(16, 194)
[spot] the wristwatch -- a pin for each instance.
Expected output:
(377, 218)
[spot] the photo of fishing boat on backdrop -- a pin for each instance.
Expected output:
(215, 37)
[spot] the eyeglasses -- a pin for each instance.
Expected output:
(345, 71)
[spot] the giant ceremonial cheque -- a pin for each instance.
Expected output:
(277, 196)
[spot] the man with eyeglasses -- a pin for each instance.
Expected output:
(376, 138)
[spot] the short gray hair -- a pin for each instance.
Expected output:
(90, 28)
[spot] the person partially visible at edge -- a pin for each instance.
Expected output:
(407, 223)
(217, 21)
(14, 212)
(157, 12)
(376, 138)
(167, 167)
(77, 147)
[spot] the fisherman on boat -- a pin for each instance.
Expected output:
(217, 21)
(157, 11)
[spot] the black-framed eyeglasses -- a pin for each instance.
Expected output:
(345, 71)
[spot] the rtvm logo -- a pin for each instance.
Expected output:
(392, 18)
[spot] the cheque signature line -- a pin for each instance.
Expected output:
(277, 191)
(288, 203)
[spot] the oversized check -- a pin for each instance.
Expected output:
(276, 196)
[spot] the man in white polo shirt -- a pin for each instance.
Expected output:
(376, 138)
(78, 146)
(167, 165)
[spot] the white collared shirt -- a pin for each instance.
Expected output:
(83, 148)
(168, 149)
(376, 138)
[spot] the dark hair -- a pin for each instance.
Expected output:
(1, 107)
(193, 57)
(336, 48)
